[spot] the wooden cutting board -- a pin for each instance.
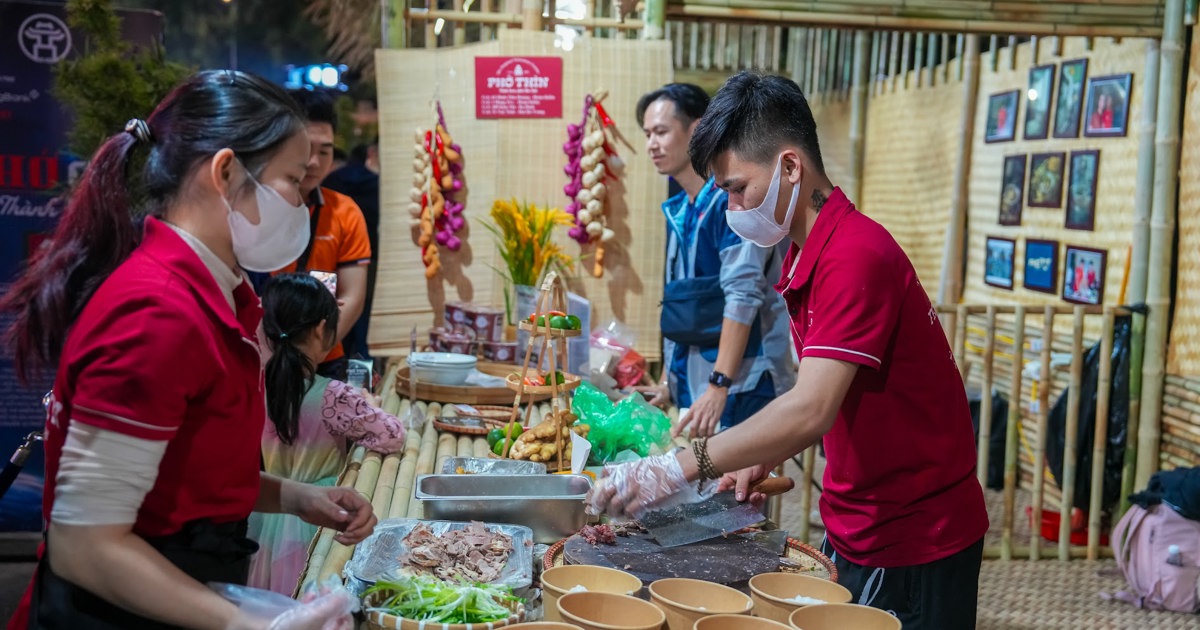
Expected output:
(728, 561)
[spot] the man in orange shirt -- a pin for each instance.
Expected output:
(338, 243)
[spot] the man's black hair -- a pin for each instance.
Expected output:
(317, 106)
(690, 101)
(754, 115)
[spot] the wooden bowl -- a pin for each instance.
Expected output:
(609, 611)
(546, 625)
(737, 622)
(773, 592)
(559, 581)
(685, 601)
(842, 616)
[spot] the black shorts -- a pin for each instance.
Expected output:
(940, 595)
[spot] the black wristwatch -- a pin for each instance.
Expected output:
(720, 380)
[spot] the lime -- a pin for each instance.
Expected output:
(558, 321)
(498, 447)
(573, 322)
(493, 436)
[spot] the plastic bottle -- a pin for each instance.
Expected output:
(1173, 556)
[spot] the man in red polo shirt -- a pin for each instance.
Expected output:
(903, 510)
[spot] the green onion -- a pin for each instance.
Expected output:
(424, 598)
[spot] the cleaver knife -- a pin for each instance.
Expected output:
(718, 515)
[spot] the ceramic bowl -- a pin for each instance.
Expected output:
(840, 617)
(774, 593)
(685, 601)
(559, 581)
(442, 368)
(609, 611)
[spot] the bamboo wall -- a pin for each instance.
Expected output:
(519, 158)
(911, 146)
(1183, 356)
(1115, 185)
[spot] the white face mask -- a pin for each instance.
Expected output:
(279, 238)
(758, 225)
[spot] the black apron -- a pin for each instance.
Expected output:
(205, 551)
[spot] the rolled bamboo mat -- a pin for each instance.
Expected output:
(1181, 422)
(1183, 355)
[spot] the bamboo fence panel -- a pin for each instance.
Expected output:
(1114, 193)
(1183, 356)
(1181, 421)
(503, 162)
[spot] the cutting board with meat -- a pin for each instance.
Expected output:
(729, 561)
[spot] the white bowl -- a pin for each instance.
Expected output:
(442, 359)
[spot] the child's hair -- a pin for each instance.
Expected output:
(293, 304)
(212, 110)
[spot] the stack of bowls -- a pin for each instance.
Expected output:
(441, 368)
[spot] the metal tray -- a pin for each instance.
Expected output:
(488, 466)
(550, 505)
(379, 553)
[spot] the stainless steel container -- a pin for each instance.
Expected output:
(550, 505)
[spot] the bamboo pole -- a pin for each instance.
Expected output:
(480, 448)
(1162, 231)
(1070, 439)
(873, 59)
(1011, 436)
(745, 46)
(706, 46)
(677, 43)
(339, 554)
(385, 486)
(818, 62)
(960, 47)
(1012, 52)
(905, 43)
(831, 68)
(945, 60)
(458, 27)
(1043, 419)
(894, 58)
(447, 447)
(950, 286)
(806, 492)
(1033, 50)
(693, 45)
(1058, 46)
(919, 59)
(858, 114)
(994, 50)
(531, 12)
(405, 477)
(1100, 438)
(985, 401)
(960, 338)
(722, 43)
(425, 461)
(814, 61)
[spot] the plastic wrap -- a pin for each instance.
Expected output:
(487, 466)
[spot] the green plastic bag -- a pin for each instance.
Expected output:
(631, 425)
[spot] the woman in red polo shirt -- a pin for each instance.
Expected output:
(152, 439)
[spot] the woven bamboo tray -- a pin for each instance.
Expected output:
(561, 333)
(570, 382)
(800, 558)
(467, 394)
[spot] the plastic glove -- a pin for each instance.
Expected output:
(630, 490)
(326, 607)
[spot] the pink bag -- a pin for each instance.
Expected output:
(1141, 540)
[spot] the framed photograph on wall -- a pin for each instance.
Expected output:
(1041, 266)
(1071, 84)
(1046, 180)
(1012, 190)
(1083, 275)
(1037, 102)
(1001, 117)
(1107, 111)
(998, 262)
(1081, 190)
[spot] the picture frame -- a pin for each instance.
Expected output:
(1072, 87)
(998, 262)
(1041, 266)
(1038, 99)
(1012, 190)
(1046, 180)
(1107, 112)
(1083, 275)
(1001, 123)
(1081, 190)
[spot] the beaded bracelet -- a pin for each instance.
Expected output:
(703, 461)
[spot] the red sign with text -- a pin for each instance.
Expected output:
(518, 87)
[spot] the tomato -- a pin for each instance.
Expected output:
(559, 321)
(573, 322)
(535, 380)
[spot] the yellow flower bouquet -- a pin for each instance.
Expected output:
(524, 233)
